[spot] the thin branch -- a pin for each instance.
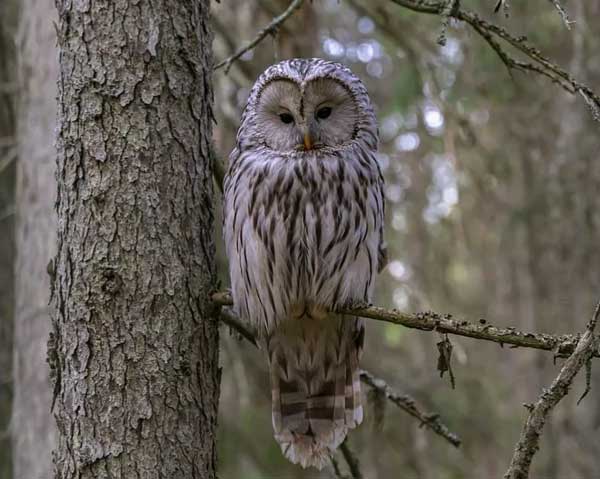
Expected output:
(336, 468)
(505, 5)
(407, 404)
(446, 12)
(270, 29)
(222, 30)
(351, 460)
(562, 345)
(233, 322)
(563, 13)
(593, 106)
(530, 435)
(489, 31)
(403, 401)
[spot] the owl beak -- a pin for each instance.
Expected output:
(307, 141)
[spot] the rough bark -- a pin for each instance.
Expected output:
(135, 344)
(32, 427)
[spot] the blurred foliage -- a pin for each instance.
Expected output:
(492, 181)
(8, 15)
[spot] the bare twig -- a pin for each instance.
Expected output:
(563, 13)
(233, 322)
(407, 404)
(351, 460)
(505, 5)
(490, 32)
(226, 35)
(446, 12)
(593, 106)
(270, 29)
(562, 345)
(530, 435)
(336, 468)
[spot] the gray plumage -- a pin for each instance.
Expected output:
(303, 227)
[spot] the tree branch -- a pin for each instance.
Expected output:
(407, 404)
(403, 401)
(351, 460)
(562, 345)
(563, 13)
(530, 435)
(233, 322)
(336, 468)
(540, 64)
(270, 29)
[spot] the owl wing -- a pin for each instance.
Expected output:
(247, 242)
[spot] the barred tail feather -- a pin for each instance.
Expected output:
(316, 395)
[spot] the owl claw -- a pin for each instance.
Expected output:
(356, 304)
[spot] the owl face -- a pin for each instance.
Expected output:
(313, 114)
(307, 104)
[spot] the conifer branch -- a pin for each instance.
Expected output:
(562, 345)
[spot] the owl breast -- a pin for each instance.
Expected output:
(302, 230)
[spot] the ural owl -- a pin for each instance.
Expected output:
(303, 227)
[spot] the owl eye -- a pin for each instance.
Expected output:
(286, 118)
(324, 112)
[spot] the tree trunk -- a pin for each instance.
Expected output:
(32, 427)
(134, 350)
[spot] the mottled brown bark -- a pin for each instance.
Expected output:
(32, 427)
(135, 344)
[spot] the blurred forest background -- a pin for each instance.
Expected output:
(493, 211)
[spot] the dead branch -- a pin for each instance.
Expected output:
(562, 345)
(563, 13)
(351, 460)
(403, 401)
(270, 29)
(530, 435)
(234, 323)
(336, 468)
(491, 33)
(407, 404)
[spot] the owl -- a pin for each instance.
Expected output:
(303, 230)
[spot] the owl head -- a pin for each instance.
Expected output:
(306, 104)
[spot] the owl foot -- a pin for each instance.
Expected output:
(355, 304)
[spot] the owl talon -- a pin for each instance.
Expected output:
(355, 304)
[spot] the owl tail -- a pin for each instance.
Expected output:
(315, 384)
